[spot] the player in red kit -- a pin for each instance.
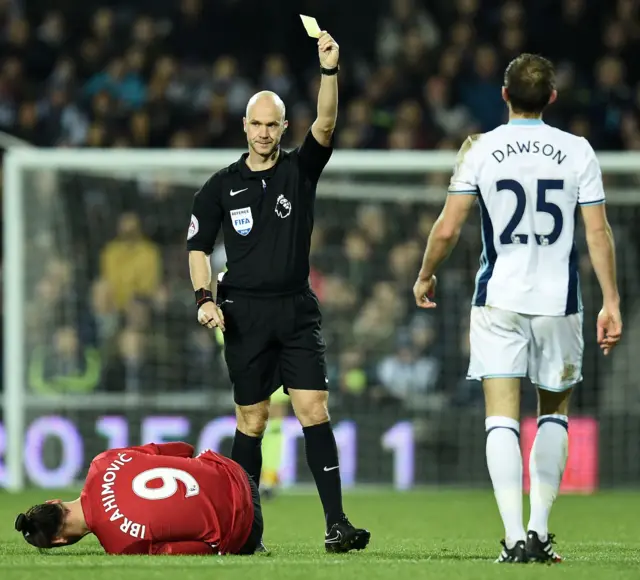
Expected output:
(155, 499)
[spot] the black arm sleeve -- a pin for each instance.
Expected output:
(313, 156)
(206, 218)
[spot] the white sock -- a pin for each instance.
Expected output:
(546, 466)
(504, 461)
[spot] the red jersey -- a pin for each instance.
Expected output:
(157, 499)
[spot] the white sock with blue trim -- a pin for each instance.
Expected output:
(504, 461)
(546, 466)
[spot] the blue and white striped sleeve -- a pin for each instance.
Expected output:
(464, 181)
(590, 187)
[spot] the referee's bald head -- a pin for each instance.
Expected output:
(265, 101)
(264, 123)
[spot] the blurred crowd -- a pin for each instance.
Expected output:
(108, 267)
(416, 74)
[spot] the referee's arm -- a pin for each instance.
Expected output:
(316, 150)
(200, 270)
(327, 114)
(206, 220)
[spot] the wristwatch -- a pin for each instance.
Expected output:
(330, 71)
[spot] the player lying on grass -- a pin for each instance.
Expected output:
(155, 499)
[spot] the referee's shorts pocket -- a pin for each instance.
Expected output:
(305, 340)
(237, 314)
(308, 308)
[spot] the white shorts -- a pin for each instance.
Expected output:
(547, 349)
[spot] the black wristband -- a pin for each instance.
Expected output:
(203, 296)
(330, 71)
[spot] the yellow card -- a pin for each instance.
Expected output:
(311, 26)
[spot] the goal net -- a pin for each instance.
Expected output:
(102, 348)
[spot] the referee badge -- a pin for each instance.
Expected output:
(194, 227)
(242, 220)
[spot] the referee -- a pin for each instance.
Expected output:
(271, 320)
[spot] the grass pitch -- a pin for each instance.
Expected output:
(421, 534)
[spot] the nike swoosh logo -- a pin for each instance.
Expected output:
(331, 468)
(232, 193)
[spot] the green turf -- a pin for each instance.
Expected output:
(434, 535)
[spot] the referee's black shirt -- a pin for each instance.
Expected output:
(266, 218)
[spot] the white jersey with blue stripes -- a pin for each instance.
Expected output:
(529, 179)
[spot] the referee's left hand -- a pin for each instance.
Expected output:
(328, 50)
(210, 315)
(424, 291)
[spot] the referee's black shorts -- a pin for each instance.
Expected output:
(271, 342)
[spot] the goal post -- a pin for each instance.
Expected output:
(390, 431)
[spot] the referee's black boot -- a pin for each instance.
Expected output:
(343, 537)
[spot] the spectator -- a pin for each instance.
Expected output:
(610, 99)
(119, 82)
(276, 77)
(407, 375)
(130, 263)
(52, 32)
(352, 376)
(227, 81)
(404, 15)
(65, 123)
(481, 94)
(449, 118)
(130, 370)
(65, 366)
(104, 322)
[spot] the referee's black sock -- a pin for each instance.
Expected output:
(247, 451)
(322, 458)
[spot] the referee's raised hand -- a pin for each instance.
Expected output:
(210, 315)
(328, 50)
